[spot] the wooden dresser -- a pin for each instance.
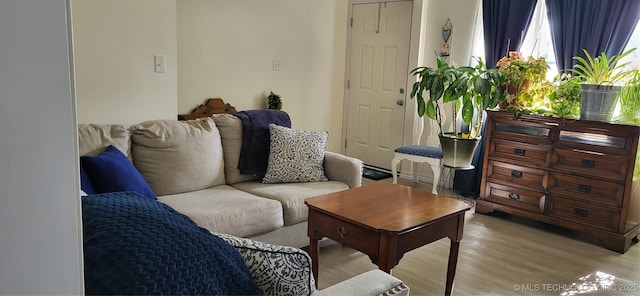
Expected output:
(574, 174)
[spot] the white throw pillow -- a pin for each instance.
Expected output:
(295, 156)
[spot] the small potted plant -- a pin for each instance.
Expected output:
(564, 99)
(601, 78)
(468, 91)
(525, 81)
(629, 99)
(274, 101)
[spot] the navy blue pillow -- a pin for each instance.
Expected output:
(85, 182)
(137, 246)
(112, 171)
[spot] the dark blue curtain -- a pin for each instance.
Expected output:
(505, 22)
(595, 25)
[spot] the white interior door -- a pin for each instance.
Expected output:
(378, 72)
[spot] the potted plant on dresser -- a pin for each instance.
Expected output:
(467, 91)
(601, 80)
(525, 80)
(630, 100)
(564, 99)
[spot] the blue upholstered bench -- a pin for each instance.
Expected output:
(419, 154)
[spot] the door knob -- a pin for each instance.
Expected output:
(400, 102)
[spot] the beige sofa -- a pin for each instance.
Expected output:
(192, 167)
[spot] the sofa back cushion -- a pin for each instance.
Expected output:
(178, 156)
(93, 139)
(230, 127)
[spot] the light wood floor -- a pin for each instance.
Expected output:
(501, 255)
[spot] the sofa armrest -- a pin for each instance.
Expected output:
(338, 167)
(277, 270)
(373, 282)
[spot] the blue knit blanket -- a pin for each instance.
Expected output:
(254, 152)
(134, 245)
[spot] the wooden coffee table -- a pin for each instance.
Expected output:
(384, 221)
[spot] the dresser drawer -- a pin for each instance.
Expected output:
(522, 131)
(515, 197)
(595, 216)
(608, 139)
(585, 189)
(534, 179)
(598, 165)
(536, 155)
(349, 234)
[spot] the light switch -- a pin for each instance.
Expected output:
(160, 62)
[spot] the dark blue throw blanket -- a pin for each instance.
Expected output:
(134, 245)
(254, 153)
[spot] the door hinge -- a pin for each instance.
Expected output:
(345, 143)
(349, 84)
(351, 22)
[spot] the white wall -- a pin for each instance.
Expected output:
(40, 236)
(226, 49)
(115, 42)
(463, 17)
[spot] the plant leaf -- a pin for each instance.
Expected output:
(467, 109)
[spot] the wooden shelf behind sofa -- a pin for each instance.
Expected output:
(212, 106)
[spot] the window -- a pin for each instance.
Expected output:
(634, 58)
(537, 40)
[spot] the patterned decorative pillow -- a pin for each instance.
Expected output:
(295, 156)
(277, 270)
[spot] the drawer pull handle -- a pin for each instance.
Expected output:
(342, 231)
(586, 163)
(584, 188)
(516, 174)
(581, 212)
(519, 151)
(514, 196)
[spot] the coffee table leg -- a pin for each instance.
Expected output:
(451, 270)
(313, 252)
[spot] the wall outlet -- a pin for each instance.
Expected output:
(276, 65)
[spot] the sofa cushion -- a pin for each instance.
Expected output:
(372, 282)
(292, 195)
(230, 127)
(95, 138)
(134, 246)
(224, 209)
(178, 156)
(112, 171)
(295, 155)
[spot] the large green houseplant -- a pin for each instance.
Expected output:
(468, 91)
(601, 77)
